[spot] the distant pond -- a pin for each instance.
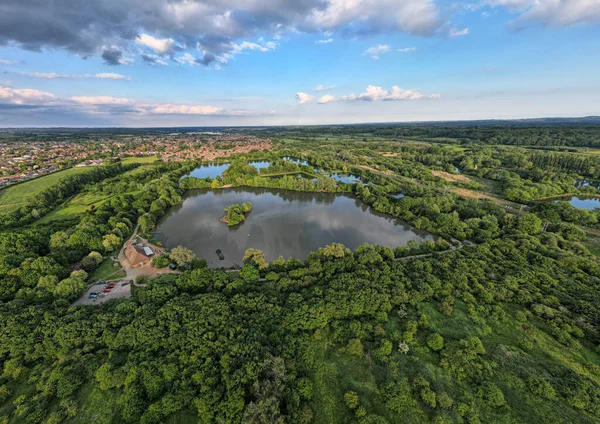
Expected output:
(590, 203)
(282, 223)
(216, 170)
(208, 171)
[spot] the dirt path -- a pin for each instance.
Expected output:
(451, 177)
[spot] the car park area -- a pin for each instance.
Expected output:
(103, 291)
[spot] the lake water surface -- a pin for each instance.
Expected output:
(282, 223)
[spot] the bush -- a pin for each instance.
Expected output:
(351, 399)
(198, 263)
(435, 342)
(541, 387)
(161, 261)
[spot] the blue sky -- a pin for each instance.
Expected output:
(185, 62)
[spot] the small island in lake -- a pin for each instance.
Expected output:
(236, 213)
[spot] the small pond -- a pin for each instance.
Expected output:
(294, 160)
(282, 223)
(345, 178)
(590, 203)
(587, 183)
(208, 171)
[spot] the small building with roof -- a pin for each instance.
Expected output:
(137, 254)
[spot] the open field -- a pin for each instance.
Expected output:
(142, 160)
(106, 270)
(73, 207)
(15, 196)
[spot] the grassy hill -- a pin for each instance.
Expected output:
(15, 196)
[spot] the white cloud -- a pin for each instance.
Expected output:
(111, 75)
(184, 110)
(246, 45)
(100, 100)
(328, 98)
(419, 17)
(7, 62)
(321, 87)
(407, 49)
(455, 32)
(52, 75)
(107, 105)
(377, 51)
(304, 98)
(326, 41)
(372, 93)
(558, 13)
(186, 59)
(160, 46)
(25, 96)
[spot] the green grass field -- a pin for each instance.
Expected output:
(142, 160)
(107, 271)
(73, 207)
(593, 244)
(14, 197)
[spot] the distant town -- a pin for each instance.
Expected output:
(25, 160)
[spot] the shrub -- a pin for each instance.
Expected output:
(435, 342)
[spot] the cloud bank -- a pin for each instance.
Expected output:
(372, 93)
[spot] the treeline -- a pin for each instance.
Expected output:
(578, 135)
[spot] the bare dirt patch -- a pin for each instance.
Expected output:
(451, 177)
(389, 154)
(476, 195)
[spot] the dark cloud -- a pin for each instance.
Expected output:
(112, 56)
(151, 59)
(207, 59)
(210, 25)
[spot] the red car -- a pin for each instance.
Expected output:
(112, 284)
(106, 290)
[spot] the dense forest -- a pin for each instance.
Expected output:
(496, 321)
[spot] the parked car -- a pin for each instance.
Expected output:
(106, 290)
(112, 284)
(93, 293)
(93, 296)
(101, 282)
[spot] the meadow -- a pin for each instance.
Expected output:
(15, 196)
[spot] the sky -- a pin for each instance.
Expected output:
(157, 63)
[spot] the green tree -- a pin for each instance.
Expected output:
(351, 399)
(182, 255)
(249, 274)
(111, 242)
(255, 257)
(435, 342)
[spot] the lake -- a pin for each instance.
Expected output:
(285, 223)
(590, 203)
(215, 170)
